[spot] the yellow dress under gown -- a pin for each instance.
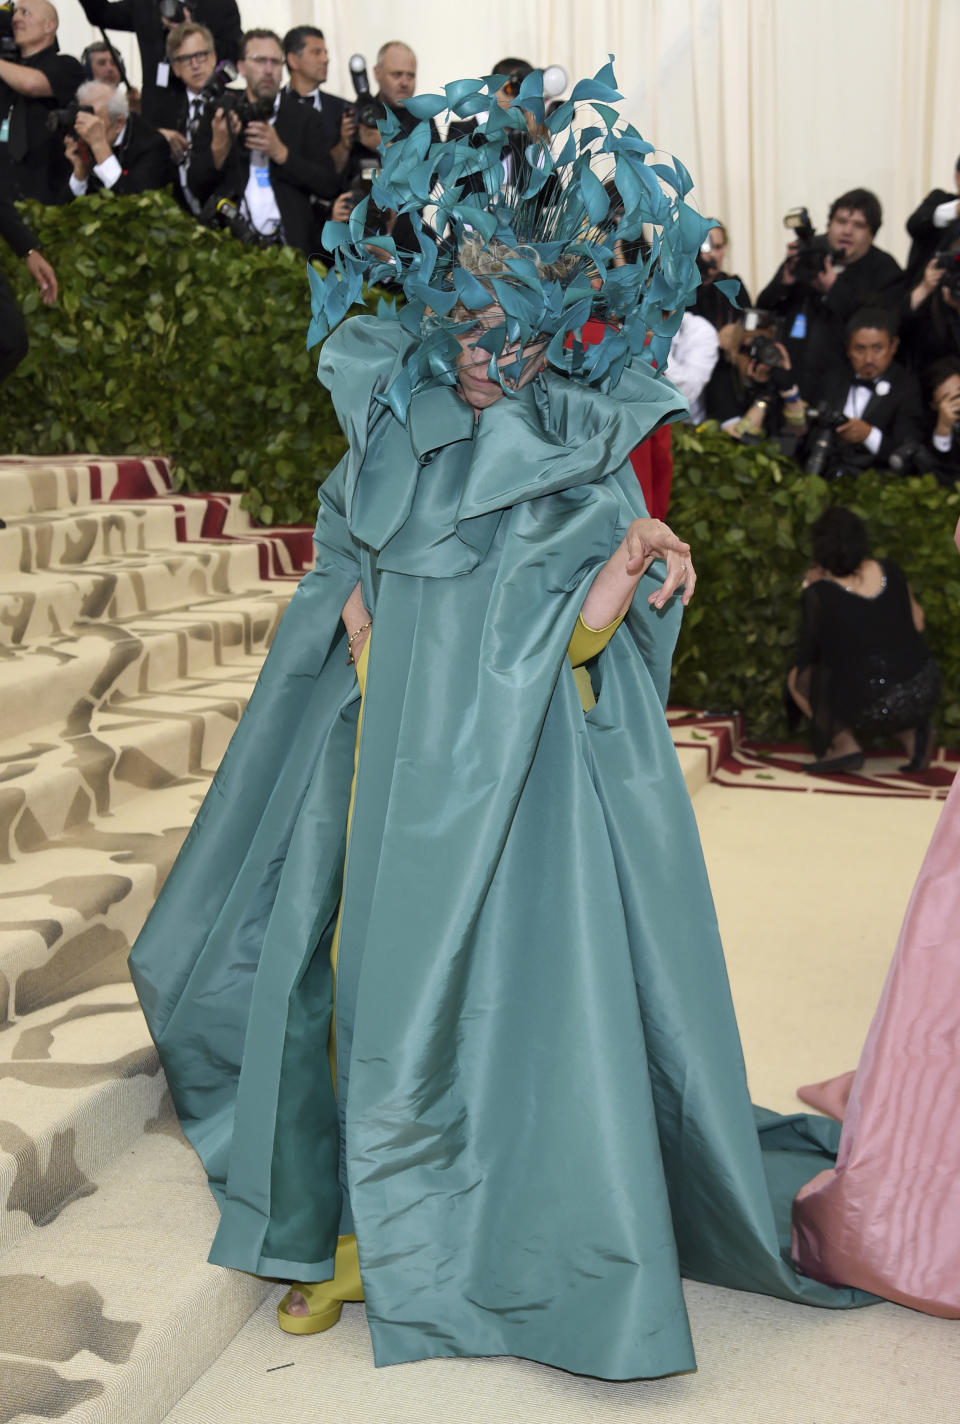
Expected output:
(585, 644)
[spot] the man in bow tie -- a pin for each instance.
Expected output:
(878, 397)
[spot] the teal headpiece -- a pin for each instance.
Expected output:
(558, 206)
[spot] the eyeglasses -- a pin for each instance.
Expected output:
(198, 56)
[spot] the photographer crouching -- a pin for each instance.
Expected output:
(753, 391)
(264, 156)
(34, 79)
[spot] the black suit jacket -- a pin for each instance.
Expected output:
(32, 161)
(874, 280)
(930, 332)
(927, 239)
(307, 173)
(161, 103)
(896, 411)
(14, 230)
(144, 157)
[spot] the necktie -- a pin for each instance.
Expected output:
(868, 385)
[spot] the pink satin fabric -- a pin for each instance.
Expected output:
(887, 1218)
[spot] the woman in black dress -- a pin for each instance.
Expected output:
(862, 664)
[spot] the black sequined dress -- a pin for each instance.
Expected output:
(861, 662)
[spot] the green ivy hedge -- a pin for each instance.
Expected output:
(747, 511)
(172, 339)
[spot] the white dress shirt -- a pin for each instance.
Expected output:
(858, 398)
(259, 199)
(693, 355)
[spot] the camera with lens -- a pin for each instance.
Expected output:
(813, 249)
(173, 10)
(370, 112)
(913, 457)
(227, 215)
(63, 121)
(247, 110)
(949, 264)
(823, 421)
(211, 95)
(764, 351)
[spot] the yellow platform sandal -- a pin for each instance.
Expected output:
(325, 1298)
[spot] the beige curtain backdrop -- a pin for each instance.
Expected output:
(770, 103)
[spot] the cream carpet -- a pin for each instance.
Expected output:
(810, 892)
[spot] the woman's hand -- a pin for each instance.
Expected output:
(649, 539)
(611, 592)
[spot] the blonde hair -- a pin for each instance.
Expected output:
(489, 259)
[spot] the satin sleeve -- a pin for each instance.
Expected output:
(587, 642)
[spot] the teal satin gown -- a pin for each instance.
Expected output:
(541, 1119)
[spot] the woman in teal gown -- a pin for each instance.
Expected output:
(539, 1118)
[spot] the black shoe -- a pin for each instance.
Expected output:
(922, 748)
(853, 761)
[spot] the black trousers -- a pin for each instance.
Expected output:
(13, 333)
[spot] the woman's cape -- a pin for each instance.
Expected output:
(542, 1117)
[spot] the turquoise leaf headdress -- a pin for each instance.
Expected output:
(580, 225)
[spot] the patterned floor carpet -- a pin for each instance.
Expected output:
(780, 766)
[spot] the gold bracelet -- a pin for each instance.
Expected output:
(362, 629)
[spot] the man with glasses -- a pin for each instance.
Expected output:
(192, 56)
(271, 165)
(163, 88)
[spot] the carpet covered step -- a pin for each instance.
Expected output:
(111, 1311)
(62, 682)
(50, 782)
(79, 1083)
(68, 538)
(37, 606)
(71, 908)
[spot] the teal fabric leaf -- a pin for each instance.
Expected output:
(731, 289)
(462, 89)
(426, 106)
(594, 196)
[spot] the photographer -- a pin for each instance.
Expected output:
(824, 281)
(711, 303)
(108, 147)
(396, 74)
(305, 51)
(32, 162)
(753, 391)
(364, 163)
(265, 152)
(934, 224)
(931, 325)
(193, 58)
(941, 383)
(13, 332)
(867, 409)
(150, 21)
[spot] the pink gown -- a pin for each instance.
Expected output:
(887, 1217)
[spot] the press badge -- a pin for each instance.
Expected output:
(799, 329)
(263, 176)
(163, 75)
(5, 129)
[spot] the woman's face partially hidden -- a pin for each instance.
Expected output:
(476, 386)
